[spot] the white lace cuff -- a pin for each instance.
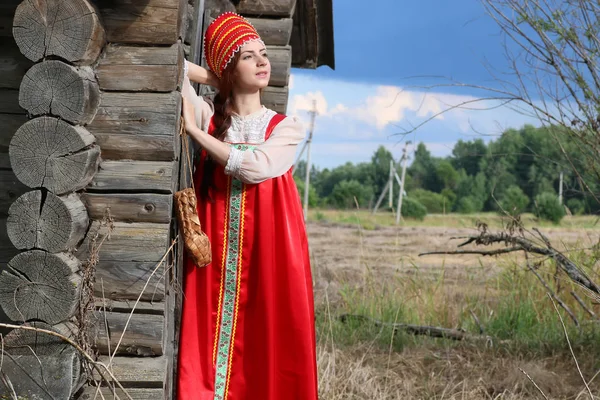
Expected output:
(234, 162)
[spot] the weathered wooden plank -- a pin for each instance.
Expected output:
(10, 189)
(127, 68)
(275, 98)
(92, 393)
(13, 64)
(138, 126)
(138, 371)
(125, 280)
(281, 62)
(126, 306)
(128, 259)
(141, 21)
(9, 124)
(277, 8)
(137, 147)
(134, 176)
(137, 114)
(129, 207)
(139, 242)
(142, 337)
(274, 32)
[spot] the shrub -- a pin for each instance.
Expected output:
(514, 201)
(345, 191)
(433, 202)
(313, 197)
(467, 205)
(548, 207)
(412, 208)
(577, 206)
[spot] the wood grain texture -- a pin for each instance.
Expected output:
(127, 259)
(275, 98)
(129, 207)
(65, 164)
(138, 371)
(281, 63)
(147, 69)
(134, 176)
(7, 14)
(9, 124)
(137, 126)
(278, 8)
(41, 286)
(9, 102)
(144, 22)
(126, 306)
(69, 29)
(274, 32)
(55, 88)
(142, 335)
(47, 222)
(38, 363)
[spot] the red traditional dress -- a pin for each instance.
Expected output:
(247, 330)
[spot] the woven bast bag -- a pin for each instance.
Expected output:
(195, 240)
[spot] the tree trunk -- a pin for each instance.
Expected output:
(65, 164)
(59, 89)
(45, 221)
(41, 286)
(69, 29)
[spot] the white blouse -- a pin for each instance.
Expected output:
(269, 158)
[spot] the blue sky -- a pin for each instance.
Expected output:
(382, 58)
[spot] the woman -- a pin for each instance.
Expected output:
(247, 329)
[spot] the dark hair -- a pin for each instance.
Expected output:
(223, 103)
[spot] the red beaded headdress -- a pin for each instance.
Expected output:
(224, 37)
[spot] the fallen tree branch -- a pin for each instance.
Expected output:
(432, 331)
(517, 243)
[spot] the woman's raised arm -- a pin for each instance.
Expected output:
(201, 75)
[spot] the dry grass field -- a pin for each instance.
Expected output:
(368, 269)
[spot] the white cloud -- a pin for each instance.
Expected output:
(301, 103)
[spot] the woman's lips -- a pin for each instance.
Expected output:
(262, 74)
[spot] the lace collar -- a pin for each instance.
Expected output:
(250, 128)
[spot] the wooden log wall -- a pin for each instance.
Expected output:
(89, 162)
(49, 93)
(89, 156)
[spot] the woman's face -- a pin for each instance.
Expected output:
(253, 69)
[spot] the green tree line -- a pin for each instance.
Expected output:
(518, 172)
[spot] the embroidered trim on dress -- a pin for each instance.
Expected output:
(234, 162)
(231, 276)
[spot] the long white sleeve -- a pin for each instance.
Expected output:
(272, 158)
(204, 109)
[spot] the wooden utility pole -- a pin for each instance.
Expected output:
(313, 114)
(404, 160)
(560, 189)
